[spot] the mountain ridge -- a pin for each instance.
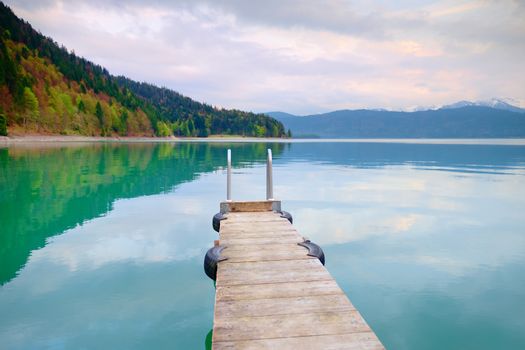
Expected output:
(494, 102)
(461, 122)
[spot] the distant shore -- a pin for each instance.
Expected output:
(29, 139)
(124, 139)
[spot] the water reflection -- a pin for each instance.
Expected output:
(427, 240)
(150, 229)
(47, 190)
(452, 157)
(130, 279)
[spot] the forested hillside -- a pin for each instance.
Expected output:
(46, 89)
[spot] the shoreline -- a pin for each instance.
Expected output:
(35, 139)
(129, 139)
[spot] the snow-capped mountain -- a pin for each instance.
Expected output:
(493, 103)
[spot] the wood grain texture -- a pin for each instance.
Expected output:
(282, 306)
(289, 325)
(271, 295)
(277, 290)
(250, 206)
(281, 241)
(349, 341)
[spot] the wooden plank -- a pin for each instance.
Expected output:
(263, 214)
(260, 234)
(269, 225)
(349, 341)
(282, 306)
(257, 220)
(277, 290)
(293, 325)
(250, 206)
(271, 295)
(231, 273)
(256, 231)
(273, 217)
(275, 265)
(260, 252)
(236, 240)
(252, 245)
(254, 256)
(257, 217)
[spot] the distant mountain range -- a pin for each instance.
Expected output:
(464, 119)
(492, 103)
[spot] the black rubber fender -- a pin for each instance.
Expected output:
(212, 257)
(287, 216)
(313, 250)
(216, 221)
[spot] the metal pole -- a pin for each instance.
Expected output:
(229, 177)
(269, 176)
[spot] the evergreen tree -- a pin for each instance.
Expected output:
(191, 128)
(100, 116)
(81, 106)
(3, 125)
(99, 113)
(123, 123)
(185, 131)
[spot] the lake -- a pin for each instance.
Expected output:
(102, 244)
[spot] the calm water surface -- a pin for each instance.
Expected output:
(101, 245)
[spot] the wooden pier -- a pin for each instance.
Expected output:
(271, 295)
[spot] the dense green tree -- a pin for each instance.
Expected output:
(81, 106)
(8, 69)
(259, 130)
(191, 127)
(31, 111)
(163, 129)
(185, 131)
(3, 125)
(100, 114)
(123, 123)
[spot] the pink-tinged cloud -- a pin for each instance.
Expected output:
(303, 56)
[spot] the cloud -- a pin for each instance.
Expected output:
(300, 56)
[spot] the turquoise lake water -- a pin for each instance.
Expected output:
(101, 245)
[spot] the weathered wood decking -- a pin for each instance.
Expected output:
(271, 295)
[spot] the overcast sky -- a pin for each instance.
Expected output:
(301, 57)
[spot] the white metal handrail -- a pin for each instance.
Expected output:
(229, 177)
(269, 176)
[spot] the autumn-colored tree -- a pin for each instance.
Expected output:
(31, 111)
